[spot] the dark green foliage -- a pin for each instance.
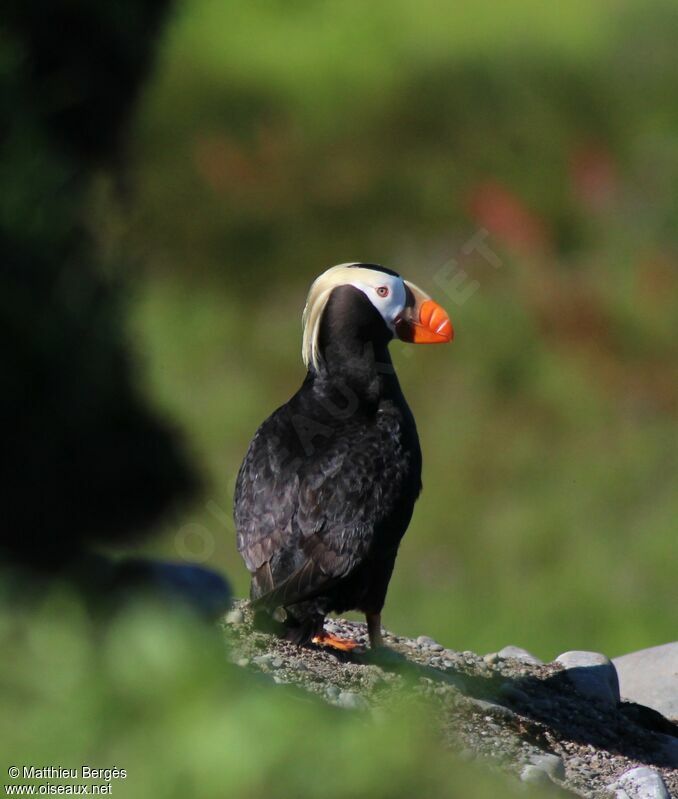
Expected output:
(83, 457)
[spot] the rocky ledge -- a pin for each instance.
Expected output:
(561, 724)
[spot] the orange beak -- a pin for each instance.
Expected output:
(423, 321)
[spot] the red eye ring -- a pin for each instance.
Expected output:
(382, 291)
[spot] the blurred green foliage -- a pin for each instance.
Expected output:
(80, 438)
(278, 139)
(151, 694)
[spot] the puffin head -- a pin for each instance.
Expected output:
(374, 299)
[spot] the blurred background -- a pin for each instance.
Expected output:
(518, 161)
(173, 179)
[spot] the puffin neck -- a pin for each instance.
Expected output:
(353, 346)
(365, 369)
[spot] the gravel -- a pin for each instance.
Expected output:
(558, 723)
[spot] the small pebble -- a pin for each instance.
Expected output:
(518, 653)
(426, 642)
(332, 691)
(243, 662)
(640, 783)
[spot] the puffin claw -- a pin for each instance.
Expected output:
(334, 642)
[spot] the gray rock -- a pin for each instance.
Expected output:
(535, 775)
(332, 691)
(352, 701)
(640, 783)
(553, 765)
(650, 677)
(592, 674)
(518, 653)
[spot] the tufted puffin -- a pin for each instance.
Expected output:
(328, 484)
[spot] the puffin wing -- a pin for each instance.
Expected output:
(306, 523)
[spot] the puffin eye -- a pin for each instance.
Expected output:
(382, 291)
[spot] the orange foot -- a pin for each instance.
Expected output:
(334, 642)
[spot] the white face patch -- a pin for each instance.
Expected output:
(386, 293)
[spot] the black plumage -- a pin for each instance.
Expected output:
(329, 482)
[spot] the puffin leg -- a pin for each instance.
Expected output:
(335, 642)
(374, 630)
